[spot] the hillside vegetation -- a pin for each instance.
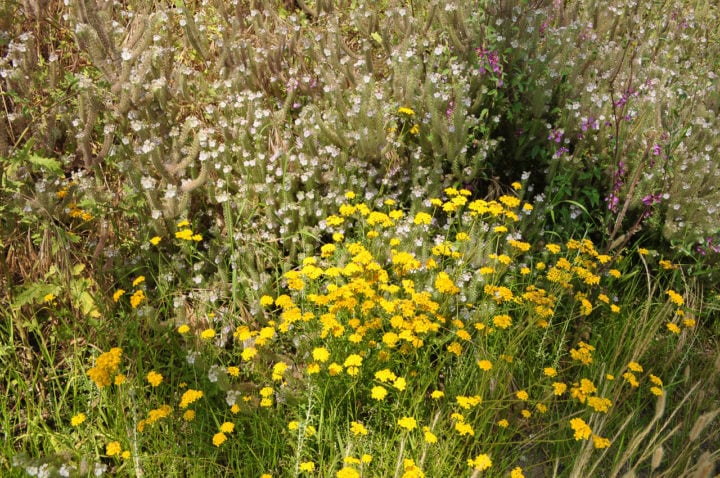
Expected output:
(346, 238)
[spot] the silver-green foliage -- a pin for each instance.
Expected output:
(634, 82)
(269, 114)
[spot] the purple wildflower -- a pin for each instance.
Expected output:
(556, 135)
(562, 150)
(613, 199)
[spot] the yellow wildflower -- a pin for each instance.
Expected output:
(480, 462)
(118, 293)
(219, 438)
(559, 388)
(378, 392)
(154, 378)
(78, 419)
(484, 365)
(189, 397)
(358, 428)
(582, 430)
(307, 466)
(408, 423)
(422, 218)
(600, 442)
(137, 297)
(113, 448)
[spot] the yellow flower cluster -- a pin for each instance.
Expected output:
(581, 429)
(480, 462)
(106, 367)
(185, 233)
(221, 437)
(154, 416)
(190, 396)
(360, 310)
(583, 353)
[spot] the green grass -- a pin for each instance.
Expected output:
(426, 323)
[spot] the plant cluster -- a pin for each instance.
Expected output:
(461, 345)
(287, 235)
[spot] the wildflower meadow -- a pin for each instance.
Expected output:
(347, 238)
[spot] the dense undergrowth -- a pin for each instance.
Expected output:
(346, 238)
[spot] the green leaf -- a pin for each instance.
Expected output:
(52, 165)
(34, 293)
(81, 298)
(376, 36)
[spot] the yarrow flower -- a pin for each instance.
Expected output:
(78, 419)
(106, 366)
(358, 428)
(378, 392)
(118, 293)
(408, 423)
(480, 462)
(154, 378)
(219, 438)
(675, 298)
(190, 396)
(113, 448)
(582, 430)
(484, 365)
(137, 297)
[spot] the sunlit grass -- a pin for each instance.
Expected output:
(435, 342)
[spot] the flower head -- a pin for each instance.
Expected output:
(408, 423)
(219, 438)
(480, 462)
(78, 419)
(154, 378)
(582, 430)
